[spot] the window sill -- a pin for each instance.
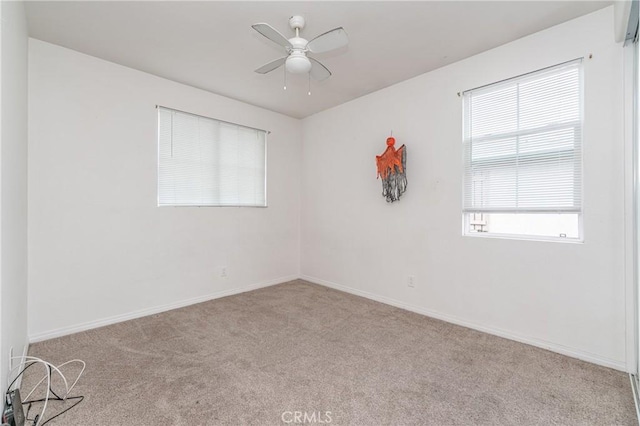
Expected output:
(526, 238)
(212, 205)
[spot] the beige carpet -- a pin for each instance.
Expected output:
(258, 357)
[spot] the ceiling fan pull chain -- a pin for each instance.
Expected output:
(309, 93)
(285, 77)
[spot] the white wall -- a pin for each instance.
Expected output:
(13, 183)
(100, 250)
(566, 296)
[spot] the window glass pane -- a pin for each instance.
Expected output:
(522, 150)
(206, 162)
(553, 98)
(495, 112)
(533, 225)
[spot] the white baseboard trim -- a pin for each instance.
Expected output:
(38, 337)
(634, 389)
(554, 347)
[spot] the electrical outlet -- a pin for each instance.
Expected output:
(223, 272)
(411, 281)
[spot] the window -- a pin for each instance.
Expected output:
(523, 155)
(207, 162)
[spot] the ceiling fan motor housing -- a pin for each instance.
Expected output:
(298, 43)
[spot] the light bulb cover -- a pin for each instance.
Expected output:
(298, 63)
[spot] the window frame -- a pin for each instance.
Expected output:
(266, 145)
(467, 215)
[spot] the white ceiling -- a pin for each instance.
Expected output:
(211, 45)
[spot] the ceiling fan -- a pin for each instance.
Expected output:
(297, 61)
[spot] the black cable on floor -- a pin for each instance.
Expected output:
(56, 398)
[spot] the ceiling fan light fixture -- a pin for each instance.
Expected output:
(296, 48)
(298, 63)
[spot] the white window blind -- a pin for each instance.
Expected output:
(207, 162)
(523, 143)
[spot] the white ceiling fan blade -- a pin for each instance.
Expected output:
(319, 71)
(272, 34)
(271, 66)
(330, 40)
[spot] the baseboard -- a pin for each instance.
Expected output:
(38, 337)
(554, 347)
(634, 388)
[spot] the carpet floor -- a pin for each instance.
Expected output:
(298, 353)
